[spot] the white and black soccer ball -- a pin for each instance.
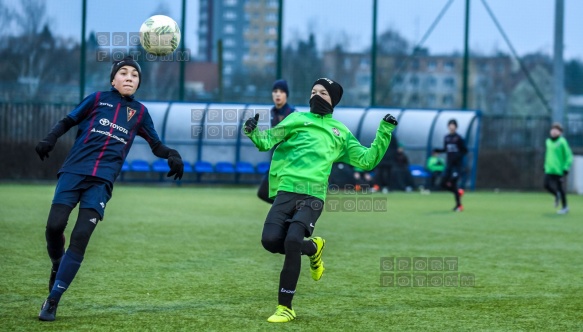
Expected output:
(159, 35)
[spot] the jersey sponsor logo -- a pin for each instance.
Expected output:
(102, 205)
(131, 113)
(336, 131)
(105, 104)
(107, 123)
(288, 291)
(107, 133)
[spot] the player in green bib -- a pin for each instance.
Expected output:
(558, 159)
(310, 142)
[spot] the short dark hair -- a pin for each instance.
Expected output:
(452, 121)
(558, 126)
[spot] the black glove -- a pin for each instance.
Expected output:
(565, 173)
(176, 165)
(391, 119)
(45, 146)
(251, 123)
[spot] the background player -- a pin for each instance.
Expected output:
(558, 159)
(455, 147)
(107, 122)
(279, 111)
(310, 143)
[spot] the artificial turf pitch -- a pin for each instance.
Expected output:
(190, 258)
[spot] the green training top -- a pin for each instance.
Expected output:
(435, 164)
(310, 143)
(558, 157)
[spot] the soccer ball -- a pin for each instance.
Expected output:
(159, 35)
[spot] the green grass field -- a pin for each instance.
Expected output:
(190, 258)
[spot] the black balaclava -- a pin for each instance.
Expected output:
(320, 106)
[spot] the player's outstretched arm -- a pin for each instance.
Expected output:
(174, 159)
(264, 140)
(48, 143)
(360, 156)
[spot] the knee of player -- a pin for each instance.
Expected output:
(272, 244)
(58, 218)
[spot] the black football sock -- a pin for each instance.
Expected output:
(56, 224)
(309, 248)
(288, 278)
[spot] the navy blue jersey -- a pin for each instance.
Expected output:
(277, 115)
(107, 125)
(455, 147)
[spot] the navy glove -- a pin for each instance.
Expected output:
(391, 119)
(565, 173)
(45, 146)
(251, 123)
(176, 165)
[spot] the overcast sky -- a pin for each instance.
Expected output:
(528, 23)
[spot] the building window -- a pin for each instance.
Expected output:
(398, 80)
(397, 97)
(269, 57)
(415, 99)
(415, 64)
(229, 42)
(449, 82)
(230, 15)
(230, 2)
(431, 65)
(271, 17)
(447, 100)
(431, 81)
(270, 30)
(228, 70)
(414, 81)
(228, 55)
(431, 99)
(272, 3)
(229, 28)
(449, 65)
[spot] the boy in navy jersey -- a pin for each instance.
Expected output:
(280, 109)
(107, 123)
(455, 147)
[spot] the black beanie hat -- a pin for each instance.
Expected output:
(282, 85)
(334, 89)
(452, 121)
(127, 61)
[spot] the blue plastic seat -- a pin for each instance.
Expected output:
(125, 167)
(263, 167)
(203, 167)
(160, 166)
(418, 171)
(139, 166)
(224, 167)
(188, 167)
(244, 167)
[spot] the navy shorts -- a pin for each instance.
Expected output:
(91, 192)
(292, 207)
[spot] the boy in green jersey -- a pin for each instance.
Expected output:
(309, 143)
(558, 159)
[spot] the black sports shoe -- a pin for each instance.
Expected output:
(48, 311)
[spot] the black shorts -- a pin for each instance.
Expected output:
(451, 174)
(292, 207)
